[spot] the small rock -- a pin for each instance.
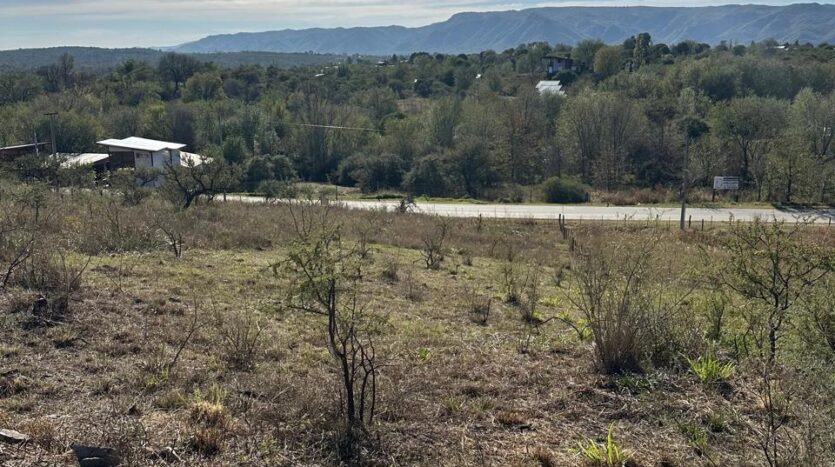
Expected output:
(13, 437)
(91, 456)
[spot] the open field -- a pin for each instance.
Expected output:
(209, 354)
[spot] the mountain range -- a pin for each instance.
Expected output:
(475, 32)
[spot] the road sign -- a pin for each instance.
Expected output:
(726, 183)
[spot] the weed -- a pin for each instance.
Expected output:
(709, 370)
(608, 454)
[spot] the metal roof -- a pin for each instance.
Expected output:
(21, 146)
(73, 160)
(553, 87)
(141, 144)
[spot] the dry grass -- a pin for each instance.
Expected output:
(453, 392)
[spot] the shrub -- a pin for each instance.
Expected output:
(631, 299)
(240, 332)
(565, 190)
(434, 249)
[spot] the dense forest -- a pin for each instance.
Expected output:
(637, 116)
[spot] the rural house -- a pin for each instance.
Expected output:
(556, 63)
(135, 152)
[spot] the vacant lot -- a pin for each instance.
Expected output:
(142, 327)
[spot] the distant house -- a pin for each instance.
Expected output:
(132, 153)
(135, 152)
(98, 161)
(550, 87)
(10, 153)
(556, 63)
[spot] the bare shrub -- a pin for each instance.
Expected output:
(627, 300)
(434, 250)
(325, 275)
(477, 306)
(240, 331)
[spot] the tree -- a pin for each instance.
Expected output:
(191, 182)
(608, 61)
(177, 69)
(444, 118)
(751, 125)
(641, 52)
(18, 87)
(206, 86)
(584, 53)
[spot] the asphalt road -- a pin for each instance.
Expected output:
(577, 212)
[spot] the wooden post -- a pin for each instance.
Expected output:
(703, 225)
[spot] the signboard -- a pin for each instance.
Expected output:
(726, 183)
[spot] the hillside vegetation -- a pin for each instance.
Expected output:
(94, 59)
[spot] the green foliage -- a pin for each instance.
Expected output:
(565, 190)
(608, 454)
(709, 370)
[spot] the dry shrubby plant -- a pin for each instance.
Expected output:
(391, 271)
(434, 249)
(240, 332)
(628, 301)
(477, 306)
(325, 272)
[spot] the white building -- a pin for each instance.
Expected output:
(137, 152)
(550, 87)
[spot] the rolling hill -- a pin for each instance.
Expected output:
(95, 59)
(474, 32)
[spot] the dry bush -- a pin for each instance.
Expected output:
(477, 306)
(434, 248)
(325, 279)
(108, 226)
(391, 271)
(240, 332)
(631, 302)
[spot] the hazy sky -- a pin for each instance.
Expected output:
(129, 23)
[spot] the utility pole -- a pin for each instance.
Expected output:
(52, 116)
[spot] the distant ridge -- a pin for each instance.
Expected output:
(94, 58)
(474, 32)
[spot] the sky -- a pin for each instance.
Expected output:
(158, 23)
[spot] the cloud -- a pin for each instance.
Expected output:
(126, 23)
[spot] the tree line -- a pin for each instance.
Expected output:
(469, 125)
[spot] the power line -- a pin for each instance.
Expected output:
(333, 127)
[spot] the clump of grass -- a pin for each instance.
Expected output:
(478, 307)
(608, 454)
(206, 441)
(64, 337)
(391, 271)
(208, 408)
(711, 371)
(544, 457)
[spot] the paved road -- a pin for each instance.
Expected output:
(516, 211)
